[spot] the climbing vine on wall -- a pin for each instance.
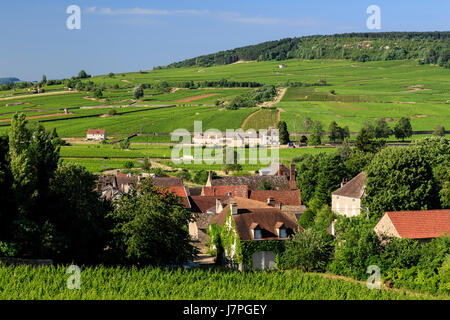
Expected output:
(250, 247)
(225, 238)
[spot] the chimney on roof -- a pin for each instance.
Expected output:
(344, 182)
(292, 177)
(280, 169)
(210, 178)
(219, 207)
(234, 209)
(271, 202)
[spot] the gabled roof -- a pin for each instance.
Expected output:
(118, 181)
(202, 204)
(246, 203)
(181, 192)
(423, 224)
(231, 191)
(253, 182)
(264, 218)
(286, 197)
(354, 188)
(167, 182)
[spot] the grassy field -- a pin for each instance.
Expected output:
(355, 92)
(261, 119)
(362, 91)
(100, 283)
(97, 158)
(149, 121)
(99, 165)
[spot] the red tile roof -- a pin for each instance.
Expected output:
(181, 192)
(167, 182)
(96, 131)
(202, 204)
(245, 203)
(252, 182)
(421, 224)
(288, 197)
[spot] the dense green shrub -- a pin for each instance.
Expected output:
(356, 247)
(308, 250)
(149, 227)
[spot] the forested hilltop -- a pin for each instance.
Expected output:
(425, 47)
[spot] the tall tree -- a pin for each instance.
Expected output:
(370, 129)
(283, 132)
(151, 227)
(82, 74)
(316, 138)
(138, 92)
(364, 142)
(307, 124)
(77, 216)
(334, 131)
(33, 160)
(439, 131)
(382, 129)
(399, 179)
(403, 129)
(331, 172)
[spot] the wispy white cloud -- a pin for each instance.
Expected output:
(238, 17)
(142, 11)
(235, 17)
(261, 20)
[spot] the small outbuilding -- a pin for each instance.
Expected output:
(96, 134)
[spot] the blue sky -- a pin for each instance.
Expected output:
(120, 36)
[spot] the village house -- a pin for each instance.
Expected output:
(240, 223)
(238, 139)
(213, 199)
(346, 200)
(255, 182)
(421, 225)
(113, 187)
(96, 135)
(204, 210)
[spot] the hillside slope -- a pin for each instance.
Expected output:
(8, 80)
(426, 47)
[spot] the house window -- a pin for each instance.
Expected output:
(282, 233)
(257, 234)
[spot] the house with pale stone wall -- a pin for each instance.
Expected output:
(346, 200)
(419, 225)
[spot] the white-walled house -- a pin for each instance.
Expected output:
(96, 134)
(346, 200)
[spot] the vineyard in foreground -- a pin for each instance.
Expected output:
(158, 284)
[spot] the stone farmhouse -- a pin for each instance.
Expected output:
(240, 222)
(347, 199)
(96, 135)
(238, 139)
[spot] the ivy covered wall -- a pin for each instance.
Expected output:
(224, 240)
